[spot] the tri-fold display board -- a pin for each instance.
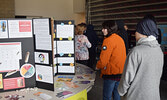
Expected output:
(31, 54)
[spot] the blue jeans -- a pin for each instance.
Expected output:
(109, 89)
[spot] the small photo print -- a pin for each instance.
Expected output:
(19, 82)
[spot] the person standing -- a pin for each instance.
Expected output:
(150, 16)
(112, 59)
(92, 37)
(81, 45)
(123, 33)
(144, 64)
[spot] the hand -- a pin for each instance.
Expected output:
(97, 68)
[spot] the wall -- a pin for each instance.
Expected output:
(79, 10)
(79, 6)
(58, 9)
(7, 9)
(79, 18)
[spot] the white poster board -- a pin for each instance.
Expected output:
(65, 47)
(20, 28)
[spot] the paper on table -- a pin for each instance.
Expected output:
(43, 95)
(64, 94)
(71, 84)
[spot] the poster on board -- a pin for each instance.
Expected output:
(20, 28)
(64, 38)
(16, 54)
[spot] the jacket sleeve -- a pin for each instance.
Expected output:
(129, 72)
(88, 44)
(107, 48)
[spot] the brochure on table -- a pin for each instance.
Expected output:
(17, 68)
(64, 60)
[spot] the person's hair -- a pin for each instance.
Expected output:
(83, 25)
(111, 27)
(79, 30)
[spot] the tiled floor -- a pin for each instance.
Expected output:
(96, 92)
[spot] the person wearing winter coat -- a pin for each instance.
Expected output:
(144, 64)
(112, 59)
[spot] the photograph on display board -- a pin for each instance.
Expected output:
(3, 29)
(41, 57)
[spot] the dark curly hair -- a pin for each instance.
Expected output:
(111, 27)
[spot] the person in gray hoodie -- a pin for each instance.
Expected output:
(144, 64)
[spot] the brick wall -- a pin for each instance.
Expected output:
(7, 8)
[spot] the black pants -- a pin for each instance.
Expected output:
(84, 62)
(92, 58)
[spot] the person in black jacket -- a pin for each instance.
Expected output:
(92, 37)
(123, 34)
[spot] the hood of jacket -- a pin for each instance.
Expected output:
(149, 41)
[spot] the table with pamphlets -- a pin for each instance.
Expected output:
(66, 87)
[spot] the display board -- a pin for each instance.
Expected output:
(43, 53)
(31, 54)
(64, 60)
(16, 54)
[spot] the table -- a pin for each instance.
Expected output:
(83, 74)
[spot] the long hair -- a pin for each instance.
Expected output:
(111, 27)
(80, 28)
